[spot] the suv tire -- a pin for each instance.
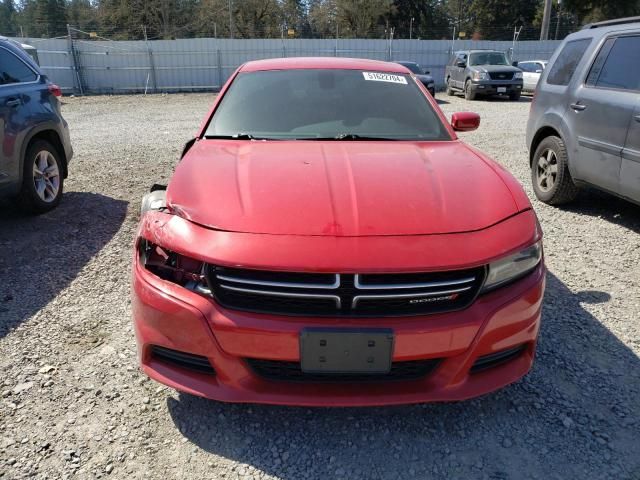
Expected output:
(514, 97)
(469, 94)
(450, 91)
(552, 182)
(42, 178)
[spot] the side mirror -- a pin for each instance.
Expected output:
(514, 63)
(461, 64)
(465, 121)
(427, 72)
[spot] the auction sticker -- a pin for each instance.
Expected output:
(384, 77)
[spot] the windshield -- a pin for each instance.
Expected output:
(488, 58)
(325, 104)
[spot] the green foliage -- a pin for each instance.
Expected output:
(426, 19)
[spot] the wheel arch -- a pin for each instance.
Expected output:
(50, 134)
(541, 134)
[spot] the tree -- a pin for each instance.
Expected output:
(7, 18)
(497, 19)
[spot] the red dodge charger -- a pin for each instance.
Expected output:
(327, 239)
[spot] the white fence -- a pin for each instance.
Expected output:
(206, 63)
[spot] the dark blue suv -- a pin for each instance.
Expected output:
(34, 138)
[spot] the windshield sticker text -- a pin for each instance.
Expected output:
(384, 77)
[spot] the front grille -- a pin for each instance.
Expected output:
(189, 361)
(291, 372)
(501, 75)
(322, 294)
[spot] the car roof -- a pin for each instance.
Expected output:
(18, 50)
(599, 30)
(331, 63)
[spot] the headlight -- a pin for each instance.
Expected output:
(513, 267)
(480, 76)
(518, 75)
(173, 267)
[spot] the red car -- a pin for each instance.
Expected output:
(327, 239)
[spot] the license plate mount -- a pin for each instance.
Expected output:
(346, 351)
(502, 89)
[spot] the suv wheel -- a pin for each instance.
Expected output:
(450, 91)
(42, 179)
(469, 94)
(514, 96)
(552, 182)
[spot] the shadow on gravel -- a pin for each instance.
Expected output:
(41, 255)
(576, 415)
(595, 203)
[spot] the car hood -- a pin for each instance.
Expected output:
(495, 68)
(424, 78)
(339, 188)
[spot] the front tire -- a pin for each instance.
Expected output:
(552, 182)
(42, 178)
(469, 94)
(514, 96)
(450, 91)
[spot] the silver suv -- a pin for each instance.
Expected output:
(584, 124)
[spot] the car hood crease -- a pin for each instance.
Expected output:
(338, 188)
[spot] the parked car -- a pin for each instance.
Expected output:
(350, 250)
(531, 71)
(421, 74)
(584, 124)
(482, 72)
(35, 138)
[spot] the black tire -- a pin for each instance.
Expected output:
(514, 96)
(469, 94)
(449, 90)
(553, 188)
(29, 199)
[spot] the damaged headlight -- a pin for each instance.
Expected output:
(173, 267)
(514, 266)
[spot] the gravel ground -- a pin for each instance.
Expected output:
(73, 404)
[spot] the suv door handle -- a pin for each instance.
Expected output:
(578, 107)
(13, 102)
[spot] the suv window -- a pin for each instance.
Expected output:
(565, 65)
(617, 64)
(14, 70)
(488, 58)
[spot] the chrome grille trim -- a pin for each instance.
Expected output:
(354, 303)
(380, 286)
(266, 283)
(335, 298)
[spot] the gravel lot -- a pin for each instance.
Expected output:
(73, 404)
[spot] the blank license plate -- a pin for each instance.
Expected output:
(502, 89)
(324, 350)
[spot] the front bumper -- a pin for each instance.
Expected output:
(495, 87)
(170, 316)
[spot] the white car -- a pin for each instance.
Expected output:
(531, 71)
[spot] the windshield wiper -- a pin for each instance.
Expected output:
(349, 136)
(238, 136)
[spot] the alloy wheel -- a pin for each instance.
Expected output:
(547, 170)
(46, 176)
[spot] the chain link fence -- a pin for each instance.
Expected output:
(81, 65)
